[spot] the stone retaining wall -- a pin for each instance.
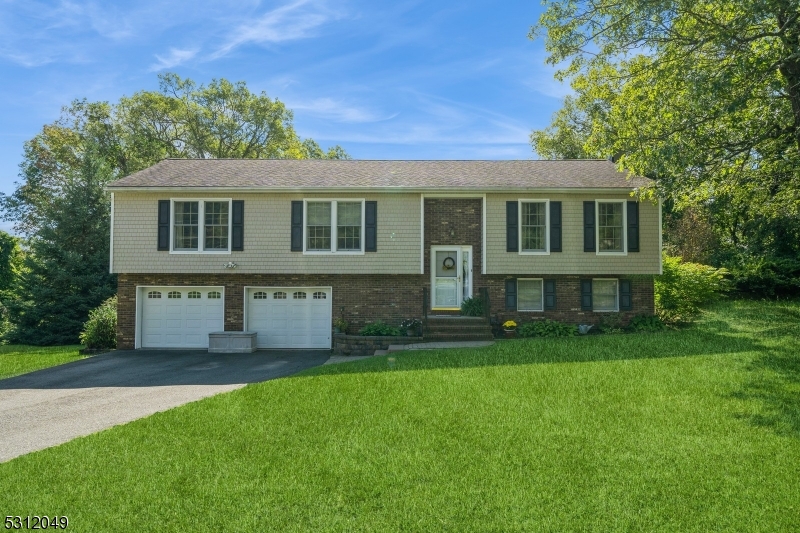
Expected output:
(360, 345)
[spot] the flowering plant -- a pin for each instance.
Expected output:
(509, 324)
(410, 323)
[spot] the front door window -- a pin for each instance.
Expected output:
(451, 276)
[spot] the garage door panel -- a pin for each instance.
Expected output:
(182, 317)
(290, 317)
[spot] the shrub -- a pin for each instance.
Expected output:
(410, 323)
(684, 287)
(610, 323)
(547, 328)
(767, 276)
(100, 331)
(472, 307)
(646, 323)
(379, 329)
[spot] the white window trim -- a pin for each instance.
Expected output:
(597, 227)
(616, 310)
(530, 310)
(334, 227)
(201, 224)
(521, 201)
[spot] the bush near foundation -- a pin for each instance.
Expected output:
(100, 331)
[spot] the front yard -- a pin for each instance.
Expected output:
(18, 359)
(694, 430)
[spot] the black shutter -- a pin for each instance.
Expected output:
(511, 294)
(633, 226)
(512, 227)
(586, 295)
(588, 227)
(297, 226)
(371, 226)
(237, 226)
(625, 300)
(549, 294)
(163, 225)
(555, 226)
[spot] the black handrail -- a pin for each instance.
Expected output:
(424, 310)
(485, 297)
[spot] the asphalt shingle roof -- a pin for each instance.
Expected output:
(368, 174)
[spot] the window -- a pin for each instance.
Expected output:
(193, 294)
(201, 226)
(174, 294)
(334, 226)
(280, 295)
(260, 295)
(299, 296)
(610, 227)
(530, 295)
(320, 295)
(154, 294)
(214, 295)
(534, 221)
(605, 295)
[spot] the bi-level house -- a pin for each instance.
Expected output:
(283, 247)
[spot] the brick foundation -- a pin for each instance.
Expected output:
(365, 298)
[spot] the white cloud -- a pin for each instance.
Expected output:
(173, 59)
(338, 111)
(289, 22)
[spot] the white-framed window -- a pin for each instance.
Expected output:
(201, 225)
(530, 295)
(605, 295)
(333, 226)
(534, 227)
(611, 223)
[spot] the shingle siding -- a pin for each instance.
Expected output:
(267, 238)
(572, 259)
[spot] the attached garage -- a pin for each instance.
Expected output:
(180, 317)
(289, 317)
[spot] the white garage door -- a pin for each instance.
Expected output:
(180, 317)
(290, 317)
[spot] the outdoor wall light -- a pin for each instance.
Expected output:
(230, 264)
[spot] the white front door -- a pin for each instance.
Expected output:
(289, 317)
(451, 276)
(180, 317)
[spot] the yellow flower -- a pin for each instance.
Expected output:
(508, 324)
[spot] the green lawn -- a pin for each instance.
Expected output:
(19, 359)
(694, 430)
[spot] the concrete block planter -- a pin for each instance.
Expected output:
(232, 342)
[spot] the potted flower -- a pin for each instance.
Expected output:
(411, 326)
(509, 326)
(340, 325)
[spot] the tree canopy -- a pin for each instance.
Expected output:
(61, 206)
(703, 96)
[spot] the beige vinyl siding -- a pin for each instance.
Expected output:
(572, 260)
(267, 237)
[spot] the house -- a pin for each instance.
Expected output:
(282, 247)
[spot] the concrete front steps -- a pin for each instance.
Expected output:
(457, 328)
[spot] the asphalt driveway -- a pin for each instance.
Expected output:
(57, 404)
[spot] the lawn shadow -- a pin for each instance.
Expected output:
(774, 383)
(590, 348)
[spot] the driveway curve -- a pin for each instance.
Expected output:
(52, 406)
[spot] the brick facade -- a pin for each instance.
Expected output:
(365, 298)
(568, 300)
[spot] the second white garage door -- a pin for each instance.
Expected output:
(290, 317)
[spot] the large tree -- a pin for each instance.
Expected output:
(60, 206)
(701, 95)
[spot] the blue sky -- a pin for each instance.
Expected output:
(394, 80)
